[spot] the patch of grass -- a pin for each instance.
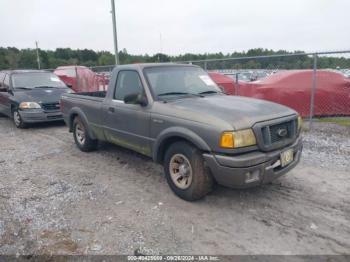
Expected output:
(342, 121)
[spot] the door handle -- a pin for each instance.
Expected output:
(111, 109)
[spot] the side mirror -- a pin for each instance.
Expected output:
(135, 98)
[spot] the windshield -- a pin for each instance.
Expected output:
(179, 80)
(36, 80)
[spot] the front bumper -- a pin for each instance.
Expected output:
(251, 169)
(37, 116)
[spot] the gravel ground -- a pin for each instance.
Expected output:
(55, 199)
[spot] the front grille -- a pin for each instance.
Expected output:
(55, 117)
(279, 133)
(51, 106)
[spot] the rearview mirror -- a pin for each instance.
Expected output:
(135, 98)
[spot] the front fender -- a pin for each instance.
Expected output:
(177, 132)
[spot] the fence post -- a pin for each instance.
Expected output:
(237, 85)
(313, 91)
(205, 65)
(77, 80)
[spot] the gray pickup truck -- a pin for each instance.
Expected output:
(178, 116)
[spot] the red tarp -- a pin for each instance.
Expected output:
(293, 88)
(227, 83)
(81, 78)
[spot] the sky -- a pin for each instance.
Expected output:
(177, 26)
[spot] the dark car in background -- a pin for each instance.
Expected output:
(31, 96)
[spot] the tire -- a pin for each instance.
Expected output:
(186, 172)
(17, 119)
(82, 138)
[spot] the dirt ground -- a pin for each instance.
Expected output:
(55, 199)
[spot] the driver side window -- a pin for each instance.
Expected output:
(128, 82)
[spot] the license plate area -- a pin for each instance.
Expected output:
(286, 157)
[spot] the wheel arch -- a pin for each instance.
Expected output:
(13, 106)
(175, 134)
(77, 112)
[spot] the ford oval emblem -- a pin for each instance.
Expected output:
(282, 132)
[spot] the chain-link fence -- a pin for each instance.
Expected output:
(104, 72)
(316, 85)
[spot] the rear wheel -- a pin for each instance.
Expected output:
(81, 136)
(186, 172)
(17, 119)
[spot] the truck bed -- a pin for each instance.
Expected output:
(88, 102)
(97, 96)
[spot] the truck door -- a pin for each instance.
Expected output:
(5, 105)
(128, 124)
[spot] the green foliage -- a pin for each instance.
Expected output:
(342, 121)
(105, 58)
(27, 58)
(12, 58)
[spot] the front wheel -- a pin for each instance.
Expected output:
(17, 119)
(186, 172)
(81, 136)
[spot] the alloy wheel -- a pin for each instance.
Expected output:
(181, 171)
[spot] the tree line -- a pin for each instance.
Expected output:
(14, 58)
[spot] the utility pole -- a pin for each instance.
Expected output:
(160, 43)
(37, 54)
(115, 33)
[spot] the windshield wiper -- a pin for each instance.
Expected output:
(44, 87)
(22, 87)
(173, 93)
(209, 92)
(177, 93)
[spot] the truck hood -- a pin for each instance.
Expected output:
(238, 111)
(40, 95)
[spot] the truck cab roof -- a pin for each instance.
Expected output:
(145, 65)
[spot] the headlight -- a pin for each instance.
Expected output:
(235, 139)
(300, 122)
(29, 105)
